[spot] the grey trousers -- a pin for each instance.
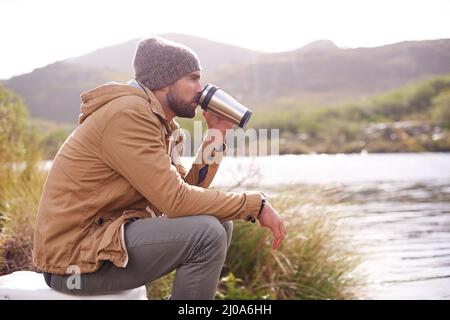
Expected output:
(194, 246)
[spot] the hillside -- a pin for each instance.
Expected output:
(53, 92)
(213, 55)
(319, 73)
(329, 74)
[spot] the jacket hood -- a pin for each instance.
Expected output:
(96, 98)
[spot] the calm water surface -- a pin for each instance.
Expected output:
(396, 207)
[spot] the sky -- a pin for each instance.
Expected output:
(37, 33)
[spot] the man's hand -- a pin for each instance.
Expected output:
(214, 122)
(271, 219)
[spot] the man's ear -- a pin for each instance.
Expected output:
(163, 90)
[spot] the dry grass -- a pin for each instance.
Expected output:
(18, 207)
(314, 262)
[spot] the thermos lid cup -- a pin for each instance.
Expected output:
(215, 100)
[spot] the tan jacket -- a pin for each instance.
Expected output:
(116, 167)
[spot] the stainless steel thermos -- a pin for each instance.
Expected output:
(215, 100)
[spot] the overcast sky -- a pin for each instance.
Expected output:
(36, 33)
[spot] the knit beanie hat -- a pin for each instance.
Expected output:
(159, 62)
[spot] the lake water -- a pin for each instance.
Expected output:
(396, 207)
(340, 168)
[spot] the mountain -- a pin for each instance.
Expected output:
(319, 45)
(53, 92)
(326, 73)
(213, 55)
(318, 72)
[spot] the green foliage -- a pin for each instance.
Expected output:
(53, 141)
(52, 136)
(161, 288)
(441, 109)
(19, 141)
(14, 133)
(400, 103)
(20, 183)
(232, 288)
(342, 128)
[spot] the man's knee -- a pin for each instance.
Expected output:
(212, 233)
(216, 230)
(211, 226)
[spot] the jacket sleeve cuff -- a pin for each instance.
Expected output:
(253, 204)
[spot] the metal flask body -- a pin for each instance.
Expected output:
(217, 101)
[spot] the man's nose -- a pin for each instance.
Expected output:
(199, 88)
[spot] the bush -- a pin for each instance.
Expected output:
(313, 262)
(20, 183)
(441, 109)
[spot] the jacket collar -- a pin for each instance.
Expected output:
(154, 103)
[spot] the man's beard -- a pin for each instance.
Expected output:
(181, 108)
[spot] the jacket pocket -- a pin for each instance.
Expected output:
(91, 241)
(68, 252)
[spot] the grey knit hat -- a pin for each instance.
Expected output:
(159, 62)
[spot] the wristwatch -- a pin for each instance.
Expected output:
(224, 147)
(263, 203)
(213, 152)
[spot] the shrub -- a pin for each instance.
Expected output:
(20, 183)
(313, 262)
